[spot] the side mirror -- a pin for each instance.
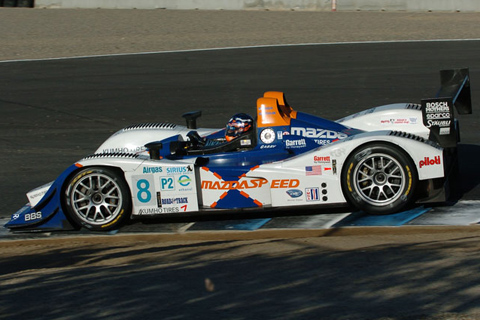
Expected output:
(154, 149)
(191, 118)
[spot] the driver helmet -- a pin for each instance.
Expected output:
(238, 124)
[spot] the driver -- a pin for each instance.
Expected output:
(238, 125)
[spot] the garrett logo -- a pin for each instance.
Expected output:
(430, 162)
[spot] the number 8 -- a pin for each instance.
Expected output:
(143, 193)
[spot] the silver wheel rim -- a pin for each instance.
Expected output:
(379, 179)
(96, 199)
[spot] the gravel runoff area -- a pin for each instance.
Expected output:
(49, 33)
(378, 274)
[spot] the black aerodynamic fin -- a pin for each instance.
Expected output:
(438, 114)
(455, 83)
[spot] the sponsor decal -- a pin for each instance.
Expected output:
(268, 146)
(168, 201)
(179, 170)
(437, 113)
(440, 106)
(154, 211)
(322, 142)
(317, 133)
(285, 183)
(184, 181)
(250, 184)
(294, 193)
(430, 162)
(313, 170)
(267, 136)
(334, 166)
(318, 159)
(301, 143)
(444, 115)
(312, 194)
(233, 185)
(167, 184)
(33, 216)
(339, 152)
(398, 121)
(266, 110)
(152, 169)
(245, 142)
(440, 123)
(124, 150)
(444, 131)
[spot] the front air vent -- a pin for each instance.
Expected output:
(413, 137)
(111, 155)
(414, 106)
(160, 125)
(407, 135)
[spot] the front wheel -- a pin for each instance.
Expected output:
(379, 179)
(98, 199)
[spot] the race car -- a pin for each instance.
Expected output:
(381, 161)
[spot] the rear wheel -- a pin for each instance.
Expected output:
(379, 179)
(98, 199)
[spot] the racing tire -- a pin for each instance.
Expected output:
(98, 199)
(379, 179)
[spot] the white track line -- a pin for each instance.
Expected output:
(237, 48)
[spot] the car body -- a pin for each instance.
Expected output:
(381, 160)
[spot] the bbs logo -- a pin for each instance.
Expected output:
(33, 216)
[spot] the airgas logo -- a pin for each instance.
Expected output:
(152, 169)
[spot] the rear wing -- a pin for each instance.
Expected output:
(438, 114)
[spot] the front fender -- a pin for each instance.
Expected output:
(47, 214)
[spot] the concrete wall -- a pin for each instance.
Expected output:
(297, 5)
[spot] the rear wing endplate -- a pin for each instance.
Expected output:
(438, 114)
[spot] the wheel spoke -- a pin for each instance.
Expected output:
(379, 179)
(96, 198)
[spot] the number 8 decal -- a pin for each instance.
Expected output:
(144, 195)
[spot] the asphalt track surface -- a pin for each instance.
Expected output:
(68, 107)
(55, 112)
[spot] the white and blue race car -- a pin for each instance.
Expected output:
(381, 161)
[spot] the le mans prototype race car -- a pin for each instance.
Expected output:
(381, 161)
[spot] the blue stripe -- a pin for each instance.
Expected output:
(397, 219)
(249, 224)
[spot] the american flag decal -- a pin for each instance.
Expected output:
(313, 170)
